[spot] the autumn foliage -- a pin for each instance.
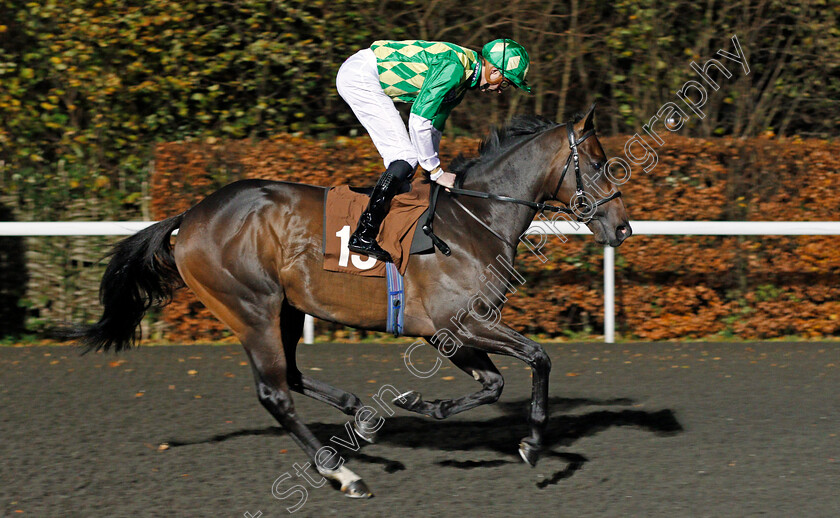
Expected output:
(668, 287)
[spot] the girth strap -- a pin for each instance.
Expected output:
(396, 300)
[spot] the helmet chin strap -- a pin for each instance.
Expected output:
(486, 86)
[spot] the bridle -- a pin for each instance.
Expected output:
(579, 200)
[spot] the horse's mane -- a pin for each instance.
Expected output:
(501, 140)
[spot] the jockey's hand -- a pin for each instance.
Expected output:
(446, 180)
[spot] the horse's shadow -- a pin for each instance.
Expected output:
(498, 434)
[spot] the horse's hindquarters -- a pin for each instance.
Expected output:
(233, 246)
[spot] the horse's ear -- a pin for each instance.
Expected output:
(589, 119)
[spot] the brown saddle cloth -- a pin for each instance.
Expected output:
(341, 215)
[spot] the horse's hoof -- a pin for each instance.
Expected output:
(408, 400)
(529, 452)
(369, 436)
(357, 489)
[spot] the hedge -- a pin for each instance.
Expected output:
(667, 287)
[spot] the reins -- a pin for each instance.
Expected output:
(578, 200)
(542, 207)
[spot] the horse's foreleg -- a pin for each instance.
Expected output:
(347, 402)
(504, 340)
(475, 363)
(269, 365)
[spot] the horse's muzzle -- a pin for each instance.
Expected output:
(622, 232)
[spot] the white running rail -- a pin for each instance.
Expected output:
(679, 228)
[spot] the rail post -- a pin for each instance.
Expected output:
(308, 329)
(609, 294)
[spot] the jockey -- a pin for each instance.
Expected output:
(433, 76)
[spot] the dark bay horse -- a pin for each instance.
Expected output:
(252, 253)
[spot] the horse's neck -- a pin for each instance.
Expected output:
(519, 174)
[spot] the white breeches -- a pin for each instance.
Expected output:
(358, 84)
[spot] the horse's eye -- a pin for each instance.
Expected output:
(597, 165)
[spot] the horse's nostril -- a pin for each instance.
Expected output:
(623, 232)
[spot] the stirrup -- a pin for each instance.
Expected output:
(373, 250)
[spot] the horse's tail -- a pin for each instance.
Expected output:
(141, 274)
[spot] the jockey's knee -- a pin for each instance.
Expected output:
(401, 170)
(402, 160)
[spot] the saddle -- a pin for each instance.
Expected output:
(401, 234)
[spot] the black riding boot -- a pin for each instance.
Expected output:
(363, 240)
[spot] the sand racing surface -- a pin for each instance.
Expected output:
(670, 430)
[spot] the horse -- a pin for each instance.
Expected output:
(252, 253)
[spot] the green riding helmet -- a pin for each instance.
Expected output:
(511, 58)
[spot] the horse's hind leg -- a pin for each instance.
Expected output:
(475, 363)
(256, 320)
(347, 402)
(270, 374)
